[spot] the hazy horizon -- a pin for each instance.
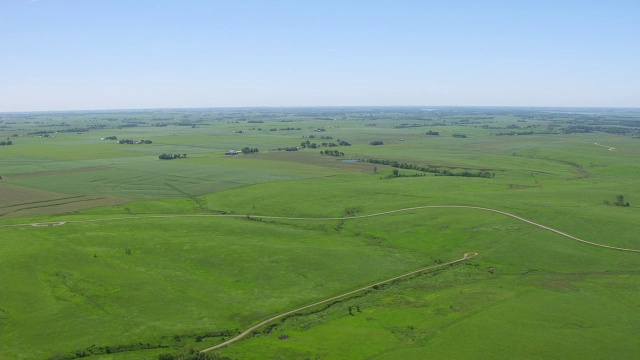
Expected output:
(355, 107)
(64, 55)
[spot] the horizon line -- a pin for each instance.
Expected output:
(427, 107)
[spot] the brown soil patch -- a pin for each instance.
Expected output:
(59, 172)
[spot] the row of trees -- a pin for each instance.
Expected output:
(309, 145)
(134, 142)
(376, 142)
(8, 142)
(437, 172)
(247, 150)
(172, 156)
(332, 153)
(285, 129)
(395, 173)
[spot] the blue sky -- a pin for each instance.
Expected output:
(117, 54)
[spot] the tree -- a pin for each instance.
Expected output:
(248, 150)
(620, 201)
(190, 354)
(172, 156)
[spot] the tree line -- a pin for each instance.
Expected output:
(437, 172)
(309, 145)
(172, 156)
(332, 153)
(4, 143)
(285, 129)
(134, 142)
(395, 173)
(248, 150)
(321, 137)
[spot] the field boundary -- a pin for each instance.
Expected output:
(342, 218)
(240, 336)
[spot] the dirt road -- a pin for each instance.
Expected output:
(253, 328)
(291, 312)
(333, 218)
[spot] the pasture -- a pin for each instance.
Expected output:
(149, 261)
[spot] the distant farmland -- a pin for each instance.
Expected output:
(159, 259)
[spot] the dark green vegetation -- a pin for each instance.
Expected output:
(132, 142)
(439, 172)
(159, 282)
(172, 156)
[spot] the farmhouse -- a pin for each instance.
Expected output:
(232, 152)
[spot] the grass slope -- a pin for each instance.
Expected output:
(151, 286)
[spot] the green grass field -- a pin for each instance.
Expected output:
(117, 281)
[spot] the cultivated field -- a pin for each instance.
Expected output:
(152, 257)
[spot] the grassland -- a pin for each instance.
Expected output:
(152, 285)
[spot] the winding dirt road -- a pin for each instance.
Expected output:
(332, 218)
(257, 326)
(253, 328)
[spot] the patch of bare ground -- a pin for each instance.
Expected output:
(32, 205)
(12, 195)
(58, 172)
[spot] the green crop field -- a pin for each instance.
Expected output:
(109, 252)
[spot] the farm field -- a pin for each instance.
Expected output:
(149, 258)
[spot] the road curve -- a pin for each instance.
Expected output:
(336, 218)
(248, 331)
(291, 312)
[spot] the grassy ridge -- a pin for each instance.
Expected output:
(228, 272)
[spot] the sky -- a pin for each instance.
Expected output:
(136, 54)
